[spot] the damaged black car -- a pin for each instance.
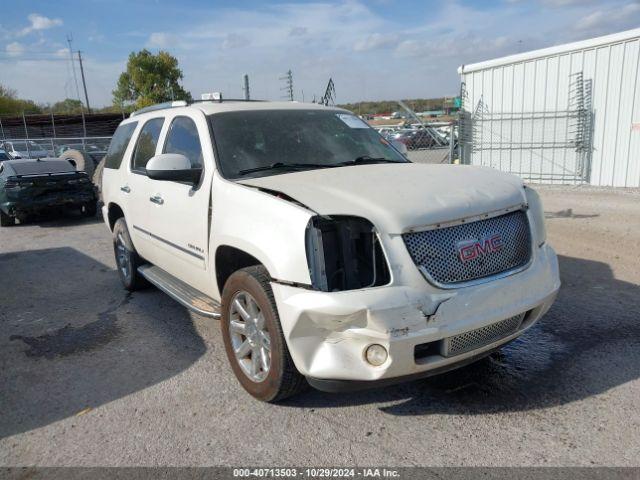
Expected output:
(29, 187)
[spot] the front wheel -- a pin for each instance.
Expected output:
(89, 209)
(6, 220)
(127, 259)
(253, 339)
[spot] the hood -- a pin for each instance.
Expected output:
(400, 197)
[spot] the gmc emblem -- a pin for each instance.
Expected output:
(471, 249)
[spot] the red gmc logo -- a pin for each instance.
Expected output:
(471, 249)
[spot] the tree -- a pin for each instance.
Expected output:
(7, 92)
(149, 79)
(67, 106)
(11, 105)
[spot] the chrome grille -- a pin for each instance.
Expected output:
(467, 341)
(435, 252)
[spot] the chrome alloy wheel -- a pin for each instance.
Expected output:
(122, 256)
(249, 337)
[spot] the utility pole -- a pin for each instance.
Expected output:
(288, 86)
(247, 95)
(84, 83)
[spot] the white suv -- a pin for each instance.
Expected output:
(328, 256)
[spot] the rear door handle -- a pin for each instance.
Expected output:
(125, 189)
(156, 199)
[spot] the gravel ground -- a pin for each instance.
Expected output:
(90, 375)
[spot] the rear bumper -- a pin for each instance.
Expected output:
(328, 333)
(58, 200)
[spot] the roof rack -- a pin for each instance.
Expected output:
(222, 100)
(159, 106)
(182, 103)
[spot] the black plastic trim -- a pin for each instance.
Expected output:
(337, 386)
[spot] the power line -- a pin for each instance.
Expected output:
(73, 67)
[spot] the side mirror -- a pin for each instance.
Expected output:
(401, 147)
(173, 167)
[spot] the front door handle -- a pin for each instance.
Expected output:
(156, 199)
(125, 189)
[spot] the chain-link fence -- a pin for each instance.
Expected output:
(24, 127)
(50, 135)
(430, 137)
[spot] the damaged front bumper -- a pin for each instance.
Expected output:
(327, 333)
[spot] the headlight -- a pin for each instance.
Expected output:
(344, 253)
(537, 213)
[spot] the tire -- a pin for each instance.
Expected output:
(281, 379)
(89, 209)
(6, 220)
(79, 161)
(127, 259)
(97, 178)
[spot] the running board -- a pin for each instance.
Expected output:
(193, 299)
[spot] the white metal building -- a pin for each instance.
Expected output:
(565, 114)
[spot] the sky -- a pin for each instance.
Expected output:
(373, 50)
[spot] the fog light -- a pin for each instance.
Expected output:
(376, 354)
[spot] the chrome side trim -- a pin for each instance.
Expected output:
(167, 242)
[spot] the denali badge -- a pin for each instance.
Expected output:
(472, 249)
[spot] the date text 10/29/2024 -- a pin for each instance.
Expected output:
(315, 473)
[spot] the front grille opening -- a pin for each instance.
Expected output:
(481, 337)
(425, 350)
(437, 252)
(529, 317)
(473, 339)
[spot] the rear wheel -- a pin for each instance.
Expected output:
(6, 220)
(127, 259)
(97, 178)
(253, 339)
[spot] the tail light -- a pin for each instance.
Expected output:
(17, 183)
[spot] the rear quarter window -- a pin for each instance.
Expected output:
(118, 145)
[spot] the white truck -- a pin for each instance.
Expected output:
(329, 258)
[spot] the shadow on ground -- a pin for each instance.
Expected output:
(585, 345)
(58, 218)
(72, 338)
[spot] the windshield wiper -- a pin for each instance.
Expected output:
(284, 166)
(367, 159)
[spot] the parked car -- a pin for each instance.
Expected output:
(328, 256)
(24, 149)
(4, 155)
(96, 152)
(32, 186)
(415, 139)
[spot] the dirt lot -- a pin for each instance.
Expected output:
(90, 375)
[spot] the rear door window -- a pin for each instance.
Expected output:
(119, 144)
(146, 144)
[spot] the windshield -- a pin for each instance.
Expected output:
(268, 142)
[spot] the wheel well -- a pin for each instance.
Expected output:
(230, 259)
(115, 212)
